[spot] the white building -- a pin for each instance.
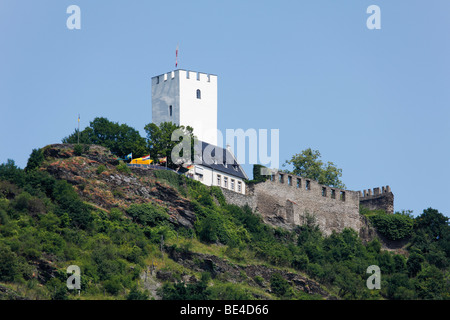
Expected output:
(218, 167)
(189, 98)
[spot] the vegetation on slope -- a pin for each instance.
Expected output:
(45, 227)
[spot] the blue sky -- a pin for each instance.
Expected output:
(375, 102)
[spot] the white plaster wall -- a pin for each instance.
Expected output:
(210, 178)
(201, 114)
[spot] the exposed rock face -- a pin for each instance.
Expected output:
(9, 294)
(109, 188)
(237, 273)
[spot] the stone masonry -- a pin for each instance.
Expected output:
(287, 200)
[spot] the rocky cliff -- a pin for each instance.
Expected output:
(95, 176)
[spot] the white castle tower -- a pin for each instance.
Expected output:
(187, 98)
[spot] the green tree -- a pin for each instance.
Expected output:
(160, 144)
(121, 139)
(308, 164)
(430, 283)
(35, 160)
(433, 223)
(9, 265)
(280, 286)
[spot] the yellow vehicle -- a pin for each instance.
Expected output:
(141, 161)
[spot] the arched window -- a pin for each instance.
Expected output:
(199, 94)
(170, 111)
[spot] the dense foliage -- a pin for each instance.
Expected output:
(308, 165)
(395, 226)
(121, 139)
(160, 143)
(43, 219)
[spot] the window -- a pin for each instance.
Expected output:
(239, 186)
(324, 192)
(342, 196)
(219, 180)
(199, 94)
(157, 80)
(299, 183)
(225, 182)
(280, 178)
(170, 111)
(232, 184)
(199, 177)
(308, 185)
(333, 194)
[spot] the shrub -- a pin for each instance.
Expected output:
(101, 168)
(112, 286)
(78, 150)
(136, 294)
(8, 264)
(300, 262)
(148, 214)
(393, 226)
(280, 286)
(123, 168)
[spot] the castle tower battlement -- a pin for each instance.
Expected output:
(376, 192)
(377, 199)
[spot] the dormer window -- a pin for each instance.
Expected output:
(199, 94)
(170, 111)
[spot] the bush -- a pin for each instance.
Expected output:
(9, 264)
(228, 291)
(148, 214)
(78, 149)
(101, 168)
(123, 168)
(112, 286)
(136, 294)
(300, 262)
(393, 226)
(280, 286)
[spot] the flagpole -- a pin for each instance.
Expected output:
(78, 128)
(176, 57)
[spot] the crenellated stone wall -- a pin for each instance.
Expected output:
(287, 200)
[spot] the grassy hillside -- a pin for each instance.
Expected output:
(159, 235)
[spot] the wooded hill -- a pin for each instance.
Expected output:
(155, 234)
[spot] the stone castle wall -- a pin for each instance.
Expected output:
(287, 200)
(378, 199)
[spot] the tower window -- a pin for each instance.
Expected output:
(199, 94)
(170, 111)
